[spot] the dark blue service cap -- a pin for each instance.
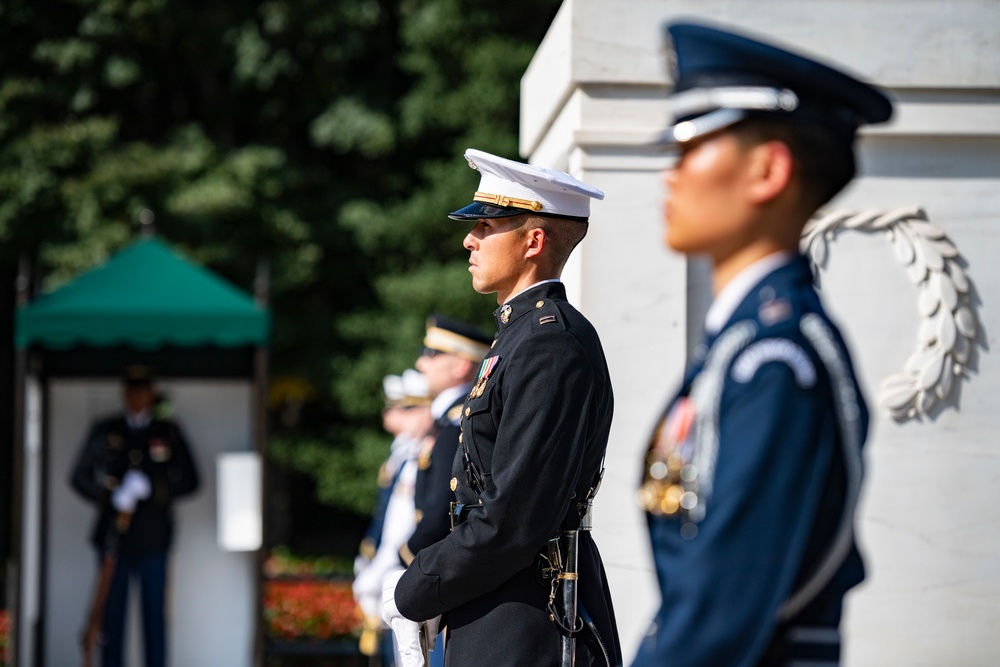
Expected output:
(721, 77)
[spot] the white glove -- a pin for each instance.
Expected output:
(360, 563)
(138, 482)
(135, 486)
(407, 632)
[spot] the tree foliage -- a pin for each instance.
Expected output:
(323, 136)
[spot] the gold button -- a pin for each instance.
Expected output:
(539, 304)
(468, 411)
(454, 483)
(460, 437)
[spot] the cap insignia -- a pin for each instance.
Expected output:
(504, 200)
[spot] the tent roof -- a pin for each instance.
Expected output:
(147, 296)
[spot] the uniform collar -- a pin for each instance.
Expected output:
(447, 398)
(527, 300)
(138, 420)
(773, 285)
(733, 294)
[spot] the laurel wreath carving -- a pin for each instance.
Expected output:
(945, 338)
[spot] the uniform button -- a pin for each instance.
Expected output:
(460, 437)
(454, 483)
(539, 304)
(468, 411)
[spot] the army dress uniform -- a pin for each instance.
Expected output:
(534, 430)
(433, 496)
(158, 449)
(116, 451)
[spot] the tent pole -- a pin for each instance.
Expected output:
(262, 288)
(17, 464)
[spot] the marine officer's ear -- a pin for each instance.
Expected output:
(534, 242)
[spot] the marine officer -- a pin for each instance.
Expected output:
(534, 429)
(752, 474)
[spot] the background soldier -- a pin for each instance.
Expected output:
(753, 472)
(534, 430)
(133, 466)
(451, 356)
(407, 416)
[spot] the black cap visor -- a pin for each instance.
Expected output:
(478, 210)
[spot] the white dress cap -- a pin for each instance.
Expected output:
(516, 187)
(415, 384)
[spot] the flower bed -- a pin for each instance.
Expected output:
(4, 638)
(310, 609)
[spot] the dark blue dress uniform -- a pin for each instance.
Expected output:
(759, 576)
(752, 475)
(534, 430)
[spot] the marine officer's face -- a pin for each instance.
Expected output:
(496, 254)
(704, 208)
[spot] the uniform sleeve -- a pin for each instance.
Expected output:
(435, 502)
(540, 440)
(89, 471)
(182, 476)
(723, 588)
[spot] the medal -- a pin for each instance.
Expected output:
(485, 371)
(669, 483)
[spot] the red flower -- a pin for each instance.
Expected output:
(4, 637)
(313, 609)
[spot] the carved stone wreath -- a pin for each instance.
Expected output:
(945, 338)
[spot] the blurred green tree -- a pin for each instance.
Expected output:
(324, 136)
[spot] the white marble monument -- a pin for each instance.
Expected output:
(906, 264)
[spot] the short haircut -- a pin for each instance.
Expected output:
(562, 235)
(824, 159)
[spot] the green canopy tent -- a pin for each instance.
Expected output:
(149, 301)
(147, 304)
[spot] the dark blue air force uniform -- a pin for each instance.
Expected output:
(534, 428)
(776, 527)
(752, 475)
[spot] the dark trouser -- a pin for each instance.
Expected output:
(151, 571)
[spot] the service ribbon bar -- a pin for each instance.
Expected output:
(488, 365)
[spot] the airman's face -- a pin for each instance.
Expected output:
(704, 206)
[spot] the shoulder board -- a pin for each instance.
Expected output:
(455, 413)
(547, 313)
